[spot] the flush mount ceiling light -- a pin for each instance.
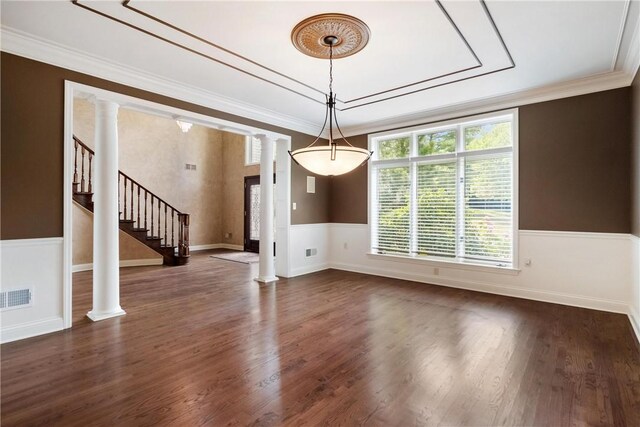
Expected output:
(184, 126)
(329, 36)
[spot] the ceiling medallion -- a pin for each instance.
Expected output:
(352, 35)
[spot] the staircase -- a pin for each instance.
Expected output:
(143, 215)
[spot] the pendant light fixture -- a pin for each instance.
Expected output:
(328, 36)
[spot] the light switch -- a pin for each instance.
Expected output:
(294, 206)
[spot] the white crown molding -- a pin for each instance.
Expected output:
(29, 46)
(596, 83)
(26, 45)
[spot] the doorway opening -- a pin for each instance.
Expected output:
(79, 91)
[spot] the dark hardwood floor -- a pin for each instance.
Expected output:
(203, 344)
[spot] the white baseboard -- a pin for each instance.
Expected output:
(307, 269)
(123, 263)
(536, 295)
(196, 248)
(31, 329)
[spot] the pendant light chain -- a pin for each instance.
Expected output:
(331, 69)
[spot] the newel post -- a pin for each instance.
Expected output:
(183, 235)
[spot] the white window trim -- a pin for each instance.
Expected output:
(455, 263)
(248, 142)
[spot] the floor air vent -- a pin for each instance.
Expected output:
(15, 299)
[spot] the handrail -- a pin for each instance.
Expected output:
(75, 138)
(79, 141)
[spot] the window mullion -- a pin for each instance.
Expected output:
(460, 185)
(413, 201)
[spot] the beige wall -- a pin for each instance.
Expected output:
(130, 248)
(154, 151)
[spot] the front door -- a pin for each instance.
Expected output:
(252, 213)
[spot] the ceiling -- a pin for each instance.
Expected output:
(423, 57)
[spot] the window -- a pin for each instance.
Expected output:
(252, 151)
(446, 192)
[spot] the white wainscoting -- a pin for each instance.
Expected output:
(36, 264)
(634, 306)
(589, 270)
(309, 236)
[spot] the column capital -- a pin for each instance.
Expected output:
(105, 107)
(263, 137)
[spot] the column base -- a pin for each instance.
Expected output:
(102, 316)
(266, 279)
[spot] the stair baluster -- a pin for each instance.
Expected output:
(172, 220)
(159, 231)
(90, 189)
(166, 242)
(131, 213)
(138, 221)
(125, 199)
(75, 165)
(152, 235)
(82, 172)
(145, 209)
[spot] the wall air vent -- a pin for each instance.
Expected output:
(18, 298)
(311, 252)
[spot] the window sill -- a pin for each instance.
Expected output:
(442, 263)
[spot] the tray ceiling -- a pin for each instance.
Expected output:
(422, 56)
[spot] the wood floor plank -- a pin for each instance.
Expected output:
(203, 344)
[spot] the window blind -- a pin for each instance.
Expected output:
(487, 205)
(436, 210)
(392, 208)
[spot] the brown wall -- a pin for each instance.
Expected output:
(635, 147)
(574, 167)
(32, 125)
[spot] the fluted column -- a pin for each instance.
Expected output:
(106, 273)
(266, 267)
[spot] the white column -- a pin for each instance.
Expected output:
(106, 273)
(266, 268)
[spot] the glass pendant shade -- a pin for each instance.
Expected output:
(317, 159)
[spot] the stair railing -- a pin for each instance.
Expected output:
(137, 204)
